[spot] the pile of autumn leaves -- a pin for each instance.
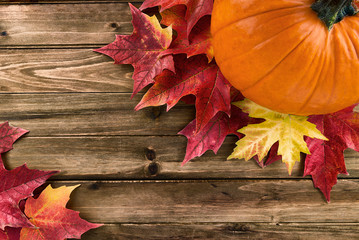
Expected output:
(175, 56)
(25, 217)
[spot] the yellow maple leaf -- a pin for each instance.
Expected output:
(288, 129)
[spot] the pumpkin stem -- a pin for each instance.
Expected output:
(333, 11)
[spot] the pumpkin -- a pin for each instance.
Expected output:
(291, 56)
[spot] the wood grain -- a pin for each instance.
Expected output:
(77, 105)
(144, 157)
(90, 114)
(61, 70)
(279, 201)
(229, 231)
(63, 24)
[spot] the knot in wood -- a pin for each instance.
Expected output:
(152, 169)
(94, 186)
(154, 112)
(150, 154)
(238, 228)
(114, 25)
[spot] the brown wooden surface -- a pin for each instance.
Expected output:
(228, 231)
(76, 104)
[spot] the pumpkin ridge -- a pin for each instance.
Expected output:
(317, 78)
(256, 15)
(349, 39)
(356, 50)
(333, 65)
(276, 65)
(315, 83)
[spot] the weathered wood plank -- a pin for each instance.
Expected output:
(143, 157)
(63, 24)
(215, 231)
(90, 114)
(62, 70)
(214, 201)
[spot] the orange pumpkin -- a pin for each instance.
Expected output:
(279, 54)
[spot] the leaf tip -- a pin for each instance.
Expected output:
(185, 161)
(290, 166)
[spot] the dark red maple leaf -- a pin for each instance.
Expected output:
(143, 49)
(199, 40)
(327, 157)
(271, 158)
(3, 235)
(212, 136)
(194, 76)
(196, 9)
(10, 234)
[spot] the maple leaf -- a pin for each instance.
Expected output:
(16, 185)
(213, 134)
(199, 42)
(52, 219)
(142, 49)
(8, 135)
(272, 157)
(288, 129)
(175, 17)
(10, 234)
(196, 9)
(3, 235)
(327, 159)
(194, 76)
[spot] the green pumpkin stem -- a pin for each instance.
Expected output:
(333, 11)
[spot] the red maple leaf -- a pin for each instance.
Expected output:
(196, 9)
(194, 76)
(175, 17)
(52, 219)
(16, 185)
(199, 40)
(8, 135)
(327, 157)
(213, 134)
(143, 49)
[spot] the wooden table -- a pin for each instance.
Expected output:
(77, 105)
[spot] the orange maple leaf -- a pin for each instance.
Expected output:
(52, 219)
